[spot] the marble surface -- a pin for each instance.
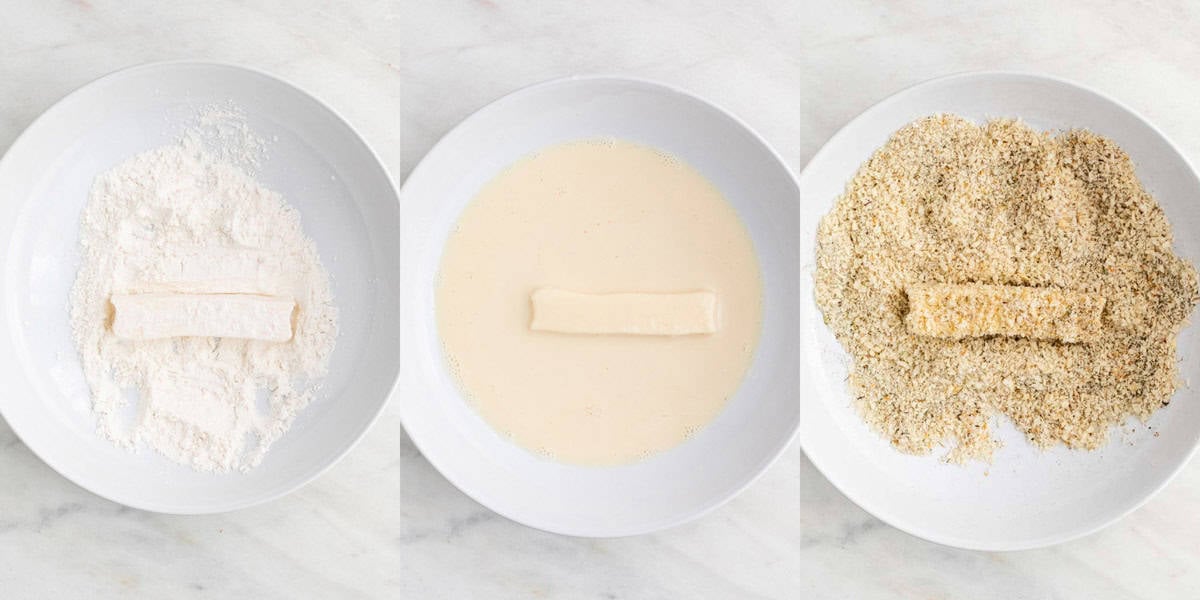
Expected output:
(383, 523)
(856, 53)
(461, 57)
(339, 536)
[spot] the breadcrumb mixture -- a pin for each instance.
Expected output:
(948, 201)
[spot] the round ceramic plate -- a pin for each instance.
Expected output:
(673, 486)
(1026, 498)
(322, 167)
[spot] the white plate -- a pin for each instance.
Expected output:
(671, 487)
(322, 167)
(1026, 498)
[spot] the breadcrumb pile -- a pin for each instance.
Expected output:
(948, 201)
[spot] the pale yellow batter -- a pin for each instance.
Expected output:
(597, 217)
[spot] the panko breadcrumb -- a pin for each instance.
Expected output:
(948, 201)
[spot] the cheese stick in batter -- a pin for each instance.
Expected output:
(165, 315)
(973, 310)
(634, 313)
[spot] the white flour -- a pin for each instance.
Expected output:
(214, 404)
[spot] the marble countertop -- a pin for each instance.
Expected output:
(466, 55)
(383, 523)
(854, 54)
(338, 537)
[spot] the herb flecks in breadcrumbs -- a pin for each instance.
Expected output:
(947, 201)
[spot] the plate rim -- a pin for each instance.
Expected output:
(596, 532)
(874, 509)
(49, 113)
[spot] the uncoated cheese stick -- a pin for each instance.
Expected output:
(972, 310)
(633, 313)
(165, 315)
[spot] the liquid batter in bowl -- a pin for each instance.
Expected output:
(597, 217)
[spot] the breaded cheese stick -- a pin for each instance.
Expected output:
(956, 311)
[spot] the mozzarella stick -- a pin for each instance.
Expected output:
(973, 310)
(165, 315)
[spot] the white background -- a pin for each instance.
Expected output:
(384, 524)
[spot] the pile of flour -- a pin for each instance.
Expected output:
(213, 404)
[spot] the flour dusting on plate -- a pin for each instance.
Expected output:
(190, 217)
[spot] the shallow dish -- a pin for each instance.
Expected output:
(668, 488)
(1026, 498)
(322, 167)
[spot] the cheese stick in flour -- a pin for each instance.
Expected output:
(165, 315)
